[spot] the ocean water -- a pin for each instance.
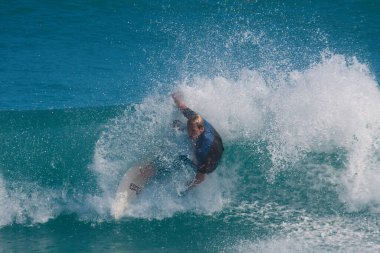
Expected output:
(291, 86)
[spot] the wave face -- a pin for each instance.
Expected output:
(301, 159)
(292, 88)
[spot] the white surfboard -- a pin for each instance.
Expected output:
(130, 185)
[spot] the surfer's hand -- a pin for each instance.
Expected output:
(183, 193)
(177, 125)
(177, 97)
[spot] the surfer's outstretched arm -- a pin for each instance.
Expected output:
(199, 178)
(186, 111)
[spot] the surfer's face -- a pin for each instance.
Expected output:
(194, 131)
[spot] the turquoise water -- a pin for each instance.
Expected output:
(291, 86)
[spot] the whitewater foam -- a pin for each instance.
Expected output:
(26, 203)
(292, 230)
(313, 234)
(332, 105)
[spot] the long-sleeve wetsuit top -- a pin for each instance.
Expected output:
(208, 146)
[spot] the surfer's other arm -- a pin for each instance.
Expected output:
(199, 178)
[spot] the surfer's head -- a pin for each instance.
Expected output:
(195, 126)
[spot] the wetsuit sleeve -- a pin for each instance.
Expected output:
(188, 113)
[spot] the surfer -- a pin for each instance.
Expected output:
(206, 142)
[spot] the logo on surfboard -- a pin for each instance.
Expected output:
(135, 188)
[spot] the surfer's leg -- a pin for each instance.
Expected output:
(183, 161)
(160, 166)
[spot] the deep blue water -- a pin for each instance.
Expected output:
(292, 87)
